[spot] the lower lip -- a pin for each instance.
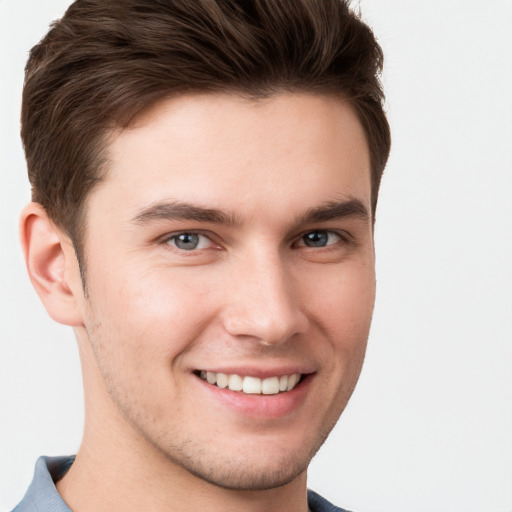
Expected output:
(260, 406)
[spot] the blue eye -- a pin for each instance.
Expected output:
(319, 238)
(189, 241)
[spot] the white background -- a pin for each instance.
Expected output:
(429, 428)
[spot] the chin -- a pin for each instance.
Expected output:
(262, 467)
(248, 476)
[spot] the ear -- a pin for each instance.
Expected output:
(52, 265)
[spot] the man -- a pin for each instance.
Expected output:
(205, 176)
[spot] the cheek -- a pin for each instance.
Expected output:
(343, 312)
(344, 298)
(152, 315)
(139, 327)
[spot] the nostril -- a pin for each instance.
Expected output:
(268, 330)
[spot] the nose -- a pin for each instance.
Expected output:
(262, 301)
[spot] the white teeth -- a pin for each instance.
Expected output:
(252, 385)
(235, 383)
(222, 380)
(292, 381)
(270, 386)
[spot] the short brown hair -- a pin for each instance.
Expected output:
(106, 61)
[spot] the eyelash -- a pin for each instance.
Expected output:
(174, 236)
(342, 236)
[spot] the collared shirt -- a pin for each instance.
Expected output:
(42, 495)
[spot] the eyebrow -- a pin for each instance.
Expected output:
(334, 210)
(177, 210)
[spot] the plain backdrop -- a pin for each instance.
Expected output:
(429, 428)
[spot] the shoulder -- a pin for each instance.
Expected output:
(318, 504)
(42, 496)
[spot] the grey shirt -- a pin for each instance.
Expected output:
(42, 496)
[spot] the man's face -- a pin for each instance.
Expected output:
(230, 246)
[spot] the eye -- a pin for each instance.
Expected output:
(319, 238)
(189, 241)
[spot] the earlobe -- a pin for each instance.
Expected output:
(52, 265)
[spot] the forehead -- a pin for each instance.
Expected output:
(226, 151)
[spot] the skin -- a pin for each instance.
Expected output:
(252, 297)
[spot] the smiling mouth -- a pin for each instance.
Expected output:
(252, 385)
